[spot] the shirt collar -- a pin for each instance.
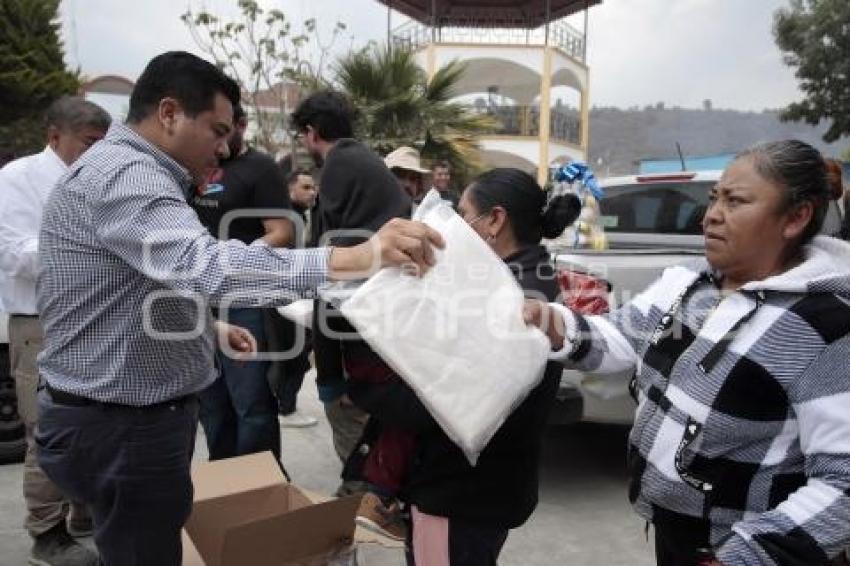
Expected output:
(54, 157)
(124, 134)
(527, 259)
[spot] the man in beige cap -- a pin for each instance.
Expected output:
(406, 165)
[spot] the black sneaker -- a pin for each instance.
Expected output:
(57, 548)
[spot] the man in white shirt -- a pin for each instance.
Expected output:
(73, 124)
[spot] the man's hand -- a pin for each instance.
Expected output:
(232, 338)
(547, 319)
(399, 243)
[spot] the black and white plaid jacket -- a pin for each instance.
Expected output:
(743, 419)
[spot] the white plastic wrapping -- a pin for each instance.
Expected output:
(456, 335)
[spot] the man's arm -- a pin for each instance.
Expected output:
(280, 232)
(142, 220)
(20, 214)
(270, 192)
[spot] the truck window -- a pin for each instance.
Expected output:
(662, 208)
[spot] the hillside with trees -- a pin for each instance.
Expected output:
(620, 138)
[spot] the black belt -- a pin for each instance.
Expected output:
(71, 400)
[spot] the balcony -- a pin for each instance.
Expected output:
(414, 35)
(565, 123)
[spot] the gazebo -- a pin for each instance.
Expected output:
(526, 14)
(516, 52)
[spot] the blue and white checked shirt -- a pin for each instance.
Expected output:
(127, 274)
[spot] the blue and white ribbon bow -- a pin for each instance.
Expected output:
(578, 171)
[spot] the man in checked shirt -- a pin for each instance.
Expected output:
(127, 277)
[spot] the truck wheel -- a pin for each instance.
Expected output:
(13, 443)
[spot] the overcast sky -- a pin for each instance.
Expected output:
(640, 51)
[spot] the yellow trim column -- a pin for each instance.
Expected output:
(545, 116)
(430, 61)
(585, 117)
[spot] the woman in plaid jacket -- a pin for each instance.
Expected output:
(740, 450)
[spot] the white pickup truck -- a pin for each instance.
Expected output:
(651, 222)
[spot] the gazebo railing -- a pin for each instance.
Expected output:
(518, 120)
(414, 35)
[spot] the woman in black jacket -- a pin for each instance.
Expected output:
(471, 509)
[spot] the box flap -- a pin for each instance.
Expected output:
(234, 475)
(191, 556)
(361, 535)
(213, 518)
(306, 531)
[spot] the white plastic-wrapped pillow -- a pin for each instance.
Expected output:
(456, 335)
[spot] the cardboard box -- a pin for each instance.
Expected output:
(245, 512)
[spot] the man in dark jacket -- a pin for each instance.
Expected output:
(358, 195)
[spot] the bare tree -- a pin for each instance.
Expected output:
(262, 52)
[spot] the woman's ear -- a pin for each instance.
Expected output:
(797, 219)
(53, 137)
(498, 220)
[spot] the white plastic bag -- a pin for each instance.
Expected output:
(300, 312)
(456, 335)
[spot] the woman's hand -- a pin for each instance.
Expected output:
(232, 338)
(540, 314)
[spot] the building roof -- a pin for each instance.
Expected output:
(488, 13)
(107, 84)
(288, 93)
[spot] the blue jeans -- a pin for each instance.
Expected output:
(239, 410)
(131, 466)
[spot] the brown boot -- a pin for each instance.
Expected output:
(379, 518)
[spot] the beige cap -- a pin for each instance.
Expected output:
(405, 158)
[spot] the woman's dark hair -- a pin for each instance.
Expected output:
(328, 112)
(531, 217)
(800, 170)
(187, 78)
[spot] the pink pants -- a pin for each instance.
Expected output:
(430, 539)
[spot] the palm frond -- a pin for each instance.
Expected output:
(398, 106)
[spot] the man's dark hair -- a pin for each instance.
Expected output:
(293, 176)
(187, 78)
(443, 164)
(73, 113)
(328, 112)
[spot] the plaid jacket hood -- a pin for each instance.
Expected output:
(826, 269)
(743, 418)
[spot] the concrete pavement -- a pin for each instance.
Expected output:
(583, 518)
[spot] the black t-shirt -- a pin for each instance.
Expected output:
(249, 181)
